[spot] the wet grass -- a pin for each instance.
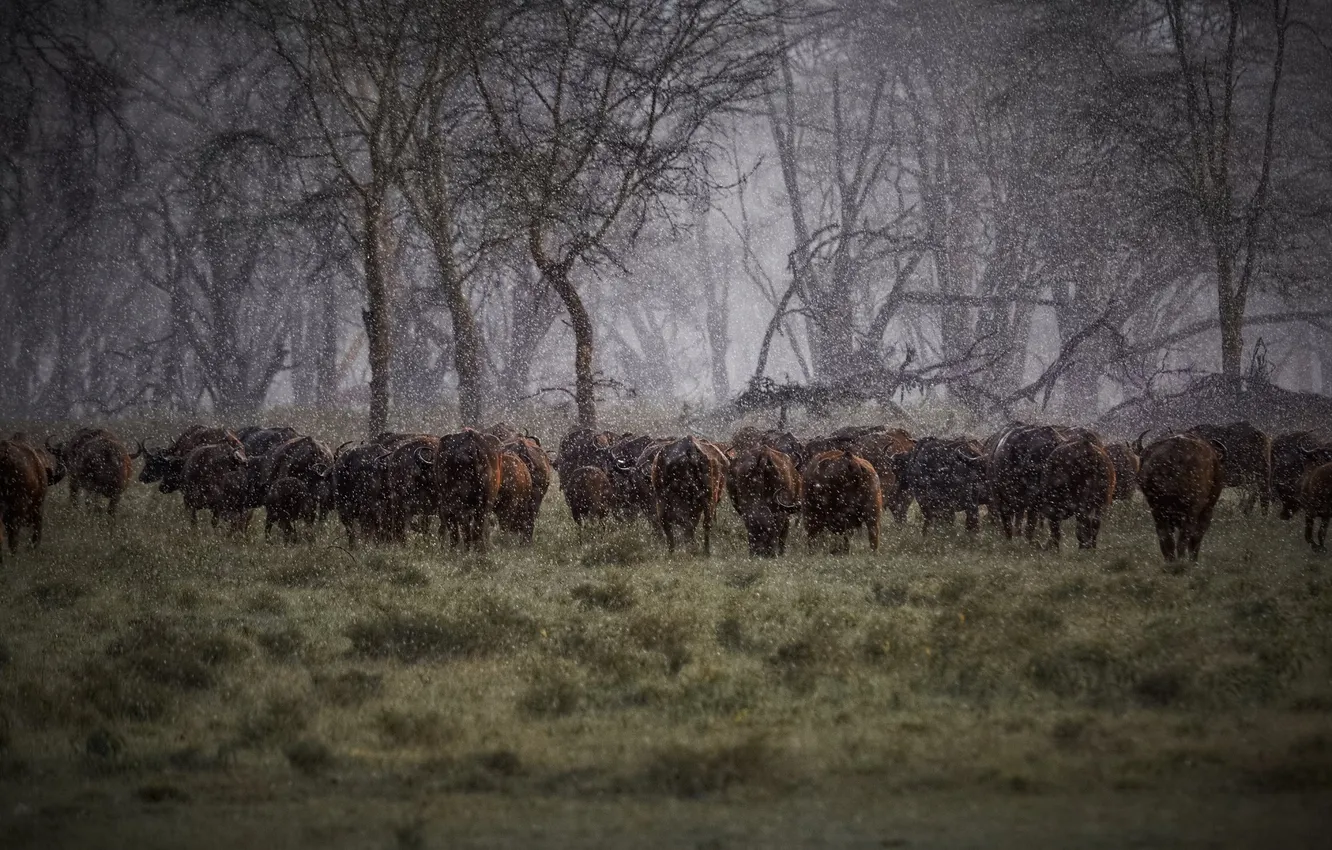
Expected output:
(598, 664)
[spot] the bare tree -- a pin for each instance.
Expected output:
(599, 111)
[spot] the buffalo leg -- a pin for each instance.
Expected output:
(1057, 534)
(872, 531)
(1089, 528)
(1005, 520)
(1197, 529)
(1033, 521)
(973, 520)
(1308, 530)
(1165, 535)
(11, 530)
(707, 533)
(1322, 535)
(1287, 509)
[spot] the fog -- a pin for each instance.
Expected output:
(1006, 207)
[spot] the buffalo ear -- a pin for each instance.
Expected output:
(240, 458)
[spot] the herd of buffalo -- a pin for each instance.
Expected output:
(834, 484)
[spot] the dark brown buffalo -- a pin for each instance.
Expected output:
(22, 492)
(1248, 460)
(1290, 461)
(765, 490)
(529, 449)
(588, 493)
(745, 438)
(288, 501)
(1181, 479)
(166, 466)
(1079, 484)
(504, 432)
(359, 490)
(1126, 464)
(944, 476)
(537, 465)
(631, 481)
(841, 493)
(1316, 496)
(410, 489)
(467, 482)
(55, 469)
(583, 447)
(214, 478)
(515, 508)
(99, 464)
(259, 441)
(879, 446)
(1015, 470)
(688, 478)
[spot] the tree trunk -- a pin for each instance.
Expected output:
(533, 311)
(326, 366)
(1230, 309)
(466, 338)
(378, 313)
(584, 388)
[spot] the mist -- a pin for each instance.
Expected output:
(1051, 208)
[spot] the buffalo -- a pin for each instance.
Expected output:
(167, 466)
(841, 493)
(259, 441)
(879, 446)
(287, 501)
(1316, 495)
(944, 476)
(588, 492)
(1248, 460)
(1014, 475)
(1126, 463)
(1181, 479)
(214, 477)
(467, 482)
(22, 492)
(765, 490)
(688, 477)
(410, 489)
(359, 490)
(1078, 483)
(515, 508)
(98, 463)
(1291, 459)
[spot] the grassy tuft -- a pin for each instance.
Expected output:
(279, 719)
(309, 757)
(349, 689)
(410, 728)
(614, 594)
(489, 625)
(695, 771)
(281, 644)
(57, 593)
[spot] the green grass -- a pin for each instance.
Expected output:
(607, 667)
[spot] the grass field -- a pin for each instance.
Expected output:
(163, 686)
